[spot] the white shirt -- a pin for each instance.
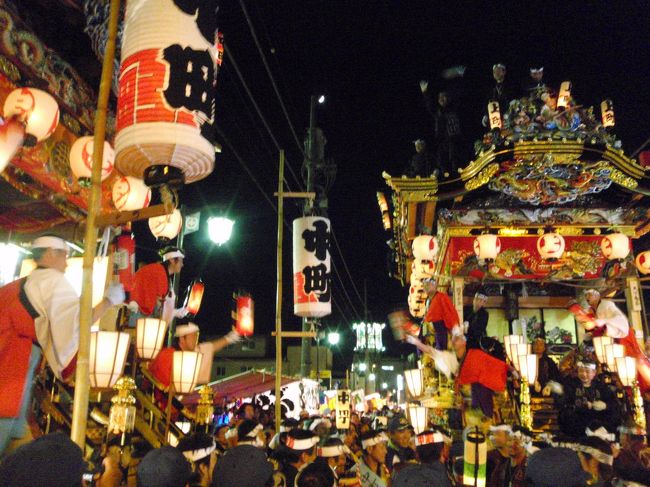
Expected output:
(57, 326)
(614, 319)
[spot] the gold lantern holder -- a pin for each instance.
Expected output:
(637, 401)
(122, 415)
(205, 407)
(525, 414)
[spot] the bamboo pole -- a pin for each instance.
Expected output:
(278, 299)
(82, 378)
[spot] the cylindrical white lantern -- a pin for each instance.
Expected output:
(615, 246)
(150, 335)
(643, 262)
(130, 194)
(165, 112)
(417, 309)
(494, 115)
(509, 340)
(516, 351)
(487, 246)
(166, 226)
(311, 267)
(626, 368)
(108, 350)
(418, 418)
(564, 97)
(418, 292)
(528, 367)
(185, 373)
(35, 108)
(425, 247)
(599, 347)
(414, 382)
(612, 352)
(607, 113)
(475, 458)
(550, 245)
(81, 158)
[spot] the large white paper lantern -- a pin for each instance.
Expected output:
(421, 269)
(108, 351)
(312, 283)
(165, 112)
(166, 226)
(550, 245)
(130, 194)
(487, 246)
(150, 335)
(185, 370)
(643, 262)
(35, 108)
(425, 247)
(81, 158)
(615, 246)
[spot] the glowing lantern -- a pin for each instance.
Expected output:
(612, 352)
(108, 350)
(494, 115)
(185, 372)
(475, 458)
(422, 268)
(643, 262)
(245, 315)
(516, 351)
(418, 292)
(509, 340)
(615, 246)
(130, 194)
(167, 79)
(607, 113)
(418, 418)
(36, 109)
(414, 382)
(599, 347)
(626, 368)
(381, 200)
(311, 267)
(150, 334)
(425, 247)
(550, 246)
(564, 96)
(194, 297)
(166, 226)
(123, 410)
(487, 246)
(81, 158)
(528, 367)
(12, 136)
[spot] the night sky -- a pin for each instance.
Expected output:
(367, 57)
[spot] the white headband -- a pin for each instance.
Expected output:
(254, 432)
(330, 451)
(502, 427)
(182, 330)
(318, 421)
(586, 365)
(375, 440)
(50, 242)
(602, 457)
(172, 254)
(432, 437)
(195, 455)
(303, 444)
(601, 433)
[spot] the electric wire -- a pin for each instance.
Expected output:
(345, 265)
(345, 292)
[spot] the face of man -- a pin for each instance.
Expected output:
(592, 299)
(188, 342)
(479, 302)
(500, 439)
(249, 412)
(401, 438)
(309, 456)
(54, 259)
(539, 346)
(499, 74)
(378, 452)
(586, 375)
(459, 345)
(516, 448)
(537, 75)
(443, 99)
(221, 436)
(175, 265)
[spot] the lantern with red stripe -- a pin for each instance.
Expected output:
(615, 246)
(165, 112)
(130, 194)
(194, 297)
(425, 247)
(487, 246)
(311, 267)
(81, 158)
(550, 245)
(643, 262)
(244, 314)
(166, 226)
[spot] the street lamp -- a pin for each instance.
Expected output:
(220, 229)
(321, 99)
(333, 338)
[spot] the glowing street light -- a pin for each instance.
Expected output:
(333, 338)
(321, 99)
(220, 229)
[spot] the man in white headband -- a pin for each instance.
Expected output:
(513, 472)
(200, 450)
(333, 454)
(433, 452)
(299, 451)
(476, 320)
(40, 315)
(372, 465)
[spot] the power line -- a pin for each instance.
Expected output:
(345, 292)
(345, 265)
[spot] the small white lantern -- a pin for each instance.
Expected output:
(564, 97)
(414, 382)
(607, 113)
(37, 109)
(612, 352)
(516, 351)
(550, 245)
(626, 368)
(108, 350)
(130, 193)
(615, 246)
(509, 340)
(81, 158)
(425, 247)
(417, 310)
(418, 291)
(186, 369)
(166, 226)
(150, 334)
(418, 418)
(599, 347)
(422, 268)
(494, 115)
(528, 367)
(12, 136)
(487, 246)
(643, 262)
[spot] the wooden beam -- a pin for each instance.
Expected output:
(429, 215)
(121, 217)
(412, 220)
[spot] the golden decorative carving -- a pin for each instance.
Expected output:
(482, 178)
(570, 231)
(459, 231)
(9, 69)
(622, 180)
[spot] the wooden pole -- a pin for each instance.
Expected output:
(82, 378)
(278, 299)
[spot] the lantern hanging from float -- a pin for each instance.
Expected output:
(150, 335)
(194, 297)
(425, 247)
(244, 314)
(81, 158)
(615, 246)
(607, 113)
(494, 115)
(643, 262)
(185, 370)
(418, 415)
(108, 350)
(626, 369)
(475, 458)
(612, 352)
(422, 268)
(166, 226)
(130, 194)
(564, 96)
(599, 347)
(487, 246)
(311, 267)
(165, 112)
(551, 245)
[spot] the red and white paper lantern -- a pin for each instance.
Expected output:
(417, 307)
(643, 262)
(615, 246)
(166, 226)
(37, 109)
(418, 291)
(312, 283)
(425, 247)
(130, 194)
(81, 158)
(550, 246)
(421, 269)
(165, 112)
(487, 246)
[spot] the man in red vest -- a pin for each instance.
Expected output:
(40, 316)
(441, 314)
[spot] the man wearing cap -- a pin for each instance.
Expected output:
(40, 315)
(299, 451)
(421, 164)
(399, 443)
(627, 464)
(476, 320)
(556, 467)
(153, 292)
(441, 314)
(433, 451)
(372, 465)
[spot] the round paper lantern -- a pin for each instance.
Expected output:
(165, 107)
(417, 309)
(166, 226)
(425, 247)
(81, 158)
(12, 136)
(550, 245)
(487, 246)
(418, 291)
(37, 109)
(422, 268)
(615, 246)
(311, 267)
(130, 194)
(643, 262)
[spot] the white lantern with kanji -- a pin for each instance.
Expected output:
(550, 245)
(425, 247)
(166, 226)
(130, 194)
(312, 283)
(418, 291)
(494, 115)
(165, 107)
(615, 246)
(487, 246)
(607, 113)
(81, 158)
(37, 109)
(564, 97)
(643, 262)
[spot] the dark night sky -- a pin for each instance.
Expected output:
(367, 57)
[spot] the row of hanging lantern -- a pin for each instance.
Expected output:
(425, 249)
(526, 363)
